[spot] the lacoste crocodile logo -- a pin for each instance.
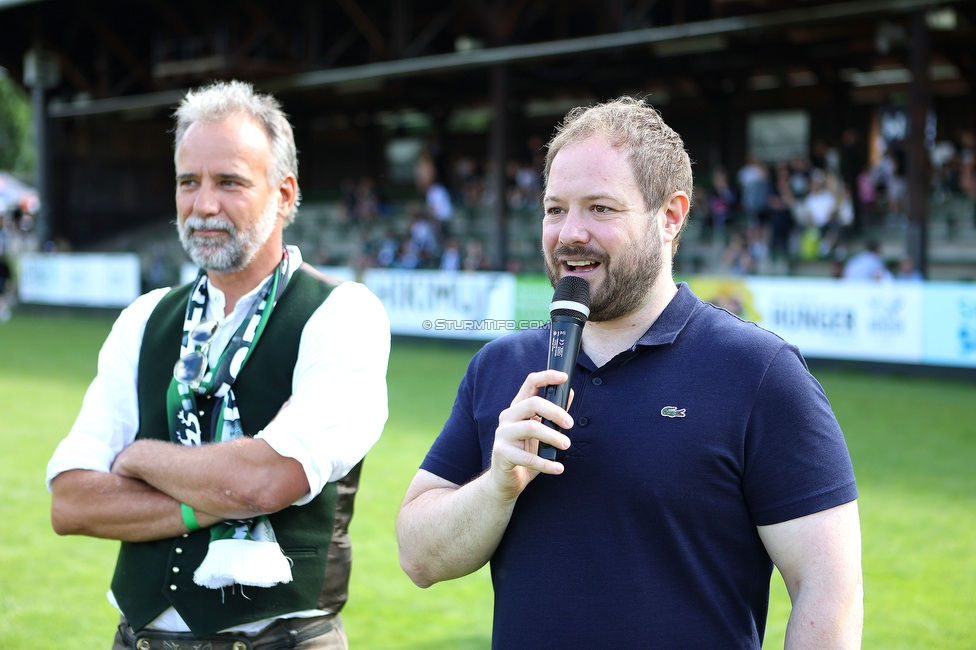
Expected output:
(672, 412)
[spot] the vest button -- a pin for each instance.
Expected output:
(583, 421)
(172, 587)
(179, 551)
(176, 569)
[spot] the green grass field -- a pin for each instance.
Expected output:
(913, 442)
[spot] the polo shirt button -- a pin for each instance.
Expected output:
(583, 421)
(597, 381)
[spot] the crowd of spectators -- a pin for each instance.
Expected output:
(821, 207)
(766, 215)
(430, 237)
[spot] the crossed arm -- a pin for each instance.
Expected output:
(106, 485)
(139, 500)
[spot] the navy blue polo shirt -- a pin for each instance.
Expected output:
(708, 427)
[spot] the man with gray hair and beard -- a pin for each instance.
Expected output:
(696, 453)
(221, 440)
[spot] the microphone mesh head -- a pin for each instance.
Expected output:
(571, 289)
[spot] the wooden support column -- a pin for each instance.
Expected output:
(498, 153)
(42, 165)
(41, 72)
(916, 244)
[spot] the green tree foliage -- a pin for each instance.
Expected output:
(16, 139)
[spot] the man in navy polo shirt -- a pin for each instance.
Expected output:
(698, 453)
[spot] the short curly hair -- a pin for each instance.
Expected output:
(656, 152)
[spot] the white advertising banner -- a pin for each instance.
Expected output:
(897, 322)
(79, 279)
(828, 318)
(950, 324)
(478, 306)
(871, 321)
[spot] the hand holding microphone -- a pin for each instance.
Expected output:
(568, 311)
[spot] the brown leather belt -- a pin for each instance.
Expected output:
(283, 633)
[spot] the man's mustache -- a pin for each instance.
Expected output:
(578, 252)
(192, 224)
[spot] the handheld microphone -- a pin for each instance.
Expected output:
(568, 311)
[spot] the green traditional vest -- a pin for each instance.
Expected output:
(151, 576)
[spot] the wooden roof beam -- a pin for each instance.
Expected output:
(277, 35)
(439, 23)
(114, 43)
(365, 26)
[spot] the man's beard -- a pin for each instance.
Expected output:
(627, 280)
(230, 256)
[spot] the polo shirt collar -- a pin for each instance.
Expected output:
(672, 320)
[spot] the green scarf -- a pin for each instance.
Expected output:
(243, 551)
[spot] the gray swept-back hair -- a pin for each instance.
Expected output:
(656, 152)
(222, 99)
